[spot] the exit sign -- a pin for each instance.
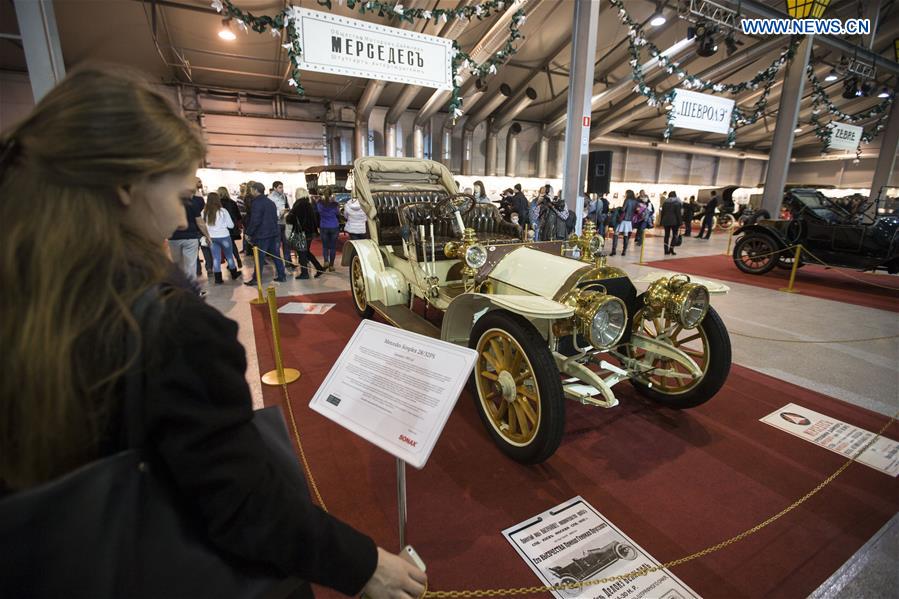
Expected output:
(586, 121)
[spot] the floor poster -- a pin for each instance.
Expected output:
(304, 308)
(837, 436)
(573, 542)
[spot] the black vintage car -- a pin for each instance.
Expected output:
(826, 230)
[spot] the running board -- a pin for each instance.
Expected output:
(403, 318)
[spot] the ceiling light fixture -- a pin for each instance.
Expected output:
(705, 36)
(832, 75)
(884, 93)
(658, 19)
(226, 33)
(797, 130)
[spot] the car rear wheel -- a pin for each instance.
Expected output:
(357, 284)
(674, 386)
(726, 221)
(756, 253)
(517, 388)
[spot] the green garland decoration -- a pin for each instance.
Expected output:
(739, 117)
(821, 102)
(393, 10)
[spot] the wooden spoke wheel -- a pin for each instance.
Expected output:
(517, 387)
(755, 253)
(669, 382)
(357, 285)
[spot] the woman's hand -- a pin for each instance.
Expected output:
(395, 578)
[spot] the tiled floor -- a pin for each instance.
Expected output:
(864, 374)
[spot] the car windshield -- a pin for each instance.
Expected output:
(820, 205)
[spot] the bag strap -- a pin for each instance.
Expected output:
(147, 311)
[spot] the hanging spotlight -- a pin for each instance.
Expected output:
(850, 88)
(730, 44)
(226, 33)
(658, 19)
(832, 75)
(798, 129)
(884, 93)
(705, 36)
(866, 89)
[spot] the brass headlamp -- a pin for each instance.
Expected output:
(598, 317)
(686, 302)
(472, 254)
(587, 247)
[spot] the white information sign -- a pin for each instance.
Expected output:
(837, 436)
(344, 46)
(395, 389)
(304, 308)
(573, 542)
(844, 137)
(702, 112)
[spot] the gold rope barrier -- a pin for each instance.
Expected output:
(258, 274)
(796, 258)
(280, 375)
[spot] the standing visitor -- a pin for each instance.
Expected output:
(283, 207)
(520, 206)
(262, 231)
(330, 229)
(355, 219)
(708, 217)
(232, 208)
(480, 194)
(639, 220)
(625, 222)
(111, 195)
(672, 218)
(602, 214)
(184, 243)
(534, 212)
(219, 223)
(302, 215)
(689, 212)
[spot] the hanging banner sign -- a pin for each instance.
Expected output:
(844, 137)
(343, 46)
(701, 112)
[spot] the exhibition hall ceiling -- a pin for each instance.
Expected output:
(177, 41)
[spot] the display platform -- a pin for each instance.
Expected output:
(674, 481)
(815, 281)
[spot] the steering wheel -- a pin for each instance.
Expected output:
(463, 202)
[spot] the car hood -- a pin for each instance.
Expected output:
(538, 272)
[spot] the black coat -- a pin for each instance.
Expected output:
(231, 206)
(303, 215)
(199, 422)
(520, 206)
(672, 213)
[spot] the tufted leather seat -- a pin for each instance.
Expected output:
(485, 219)
(387, 203)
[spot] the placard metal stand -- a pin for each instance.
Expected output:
(401, 499)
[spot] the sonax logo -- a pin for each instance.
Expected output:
(408, 441)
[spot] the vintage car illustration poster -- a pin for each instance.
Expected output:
(573, 543)
(837, 436)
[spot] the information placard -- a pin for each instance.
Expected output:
(343, 46)
(701, 112)
(395, 389)
(573, 542)
(844, 137)
(304, 308)
(837, 436)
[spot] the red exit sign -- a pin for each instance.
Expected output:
(586, 121)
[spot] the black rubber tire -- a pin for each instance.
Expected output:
(756, 239)
(368, 311)
(546, 373)
(726, 221)
(715, 375)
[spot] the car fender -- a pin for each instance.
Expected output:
(769, 231)
(465, 310)
(382, 283)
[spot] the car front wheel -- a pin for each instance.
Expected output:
(357, 285)
(756, 253)
(670, 382)
(517, 388)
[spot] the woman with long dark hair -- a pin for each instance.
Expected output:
(625, 225)
(302, 215)
(234, 232)
(106, 162)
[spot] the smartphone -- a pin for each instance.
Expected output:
(413, 557)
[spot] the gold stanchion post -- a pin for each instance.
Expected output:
(260, 299)
(789, 288)
(642, 247)
(730, 239)
(280, 375)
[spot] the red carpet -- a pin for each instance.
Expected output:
(676, 482)
(811, 280)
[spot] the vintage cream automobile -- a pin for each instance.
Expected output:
(549, 320)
